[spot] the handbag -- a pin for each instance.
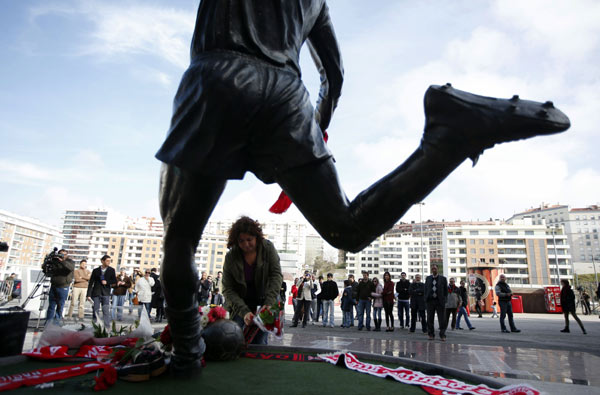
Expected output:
(136, 301)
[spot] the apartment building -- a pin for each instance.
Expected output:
(142, 249)
(527, 253)
(394, 253)
(78, 227)
(581, 225)
(28, 239)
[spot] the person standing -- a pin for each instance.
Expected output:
(478, 301)
(60, 281)
(305, 285)
(377, 303)
(329, 292)
(585, 297)
(388, 301)
(316, 306)
(365, 289)
(217, 283)
(436, 291)
(282, 292)
(143, 287)
(158, 298)
(567, 301)
(204, 289)
(294, 293)
(462, 310)
(80, 285)
(402, 287)
(452, 303)
(347, 304)
(504, 294)
(354, 285)
(119, 294)
(103, 278)
(417, 304)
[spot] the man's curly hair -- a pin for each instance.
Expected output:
(244, 225)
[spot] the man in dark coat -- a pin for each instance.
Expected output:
(504, 294)
(103, 278)
(436, 292)
(402, 287)
(241, 106)
(417, 304)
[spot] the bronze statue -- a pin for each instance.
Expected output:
(241, 106)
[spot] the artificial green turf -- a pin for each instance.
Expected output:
(243, 376)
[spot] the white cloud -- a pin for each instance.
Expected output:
(130, 29)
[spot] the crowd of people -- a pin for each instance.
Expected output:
(416, 302)
(105, 289)
(365, 301)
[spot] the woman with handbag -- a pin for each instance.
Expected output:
(452, 303)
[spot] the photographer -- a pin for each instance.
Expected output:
(59, 267)
(305, 286)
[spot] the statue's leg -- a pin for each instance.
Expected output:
(186, 202)
(316, 191)
(459, 125)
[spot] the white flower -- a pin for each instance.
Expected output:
(204, 320)
(205, 311)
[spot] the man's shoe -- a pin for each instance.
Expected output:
(293, 325)
(443, 338)
(411, 330)
(505, 331)
(360, 328)
(431, 337)
(515, 330)
(303, 325)
(459, 328)
(566, 330)
(369, 328)
(470, 123)
(471, 328)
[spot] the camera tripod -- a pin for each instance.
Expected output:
(43, 296)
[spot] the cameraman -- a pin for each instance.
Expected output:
(61, 276)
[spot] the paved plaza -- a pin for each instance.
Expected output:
(541, 355)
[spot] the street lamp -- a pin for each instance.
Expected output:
(421, 204)
(595, 273)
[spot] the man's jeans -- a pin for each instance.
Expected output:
(347, 318)
(105, 302)
(506, 309)
(463, 312)
(328, 312)
(403, 306)
(364, 306)
(130, 296)
(117, 307)
(56, 302)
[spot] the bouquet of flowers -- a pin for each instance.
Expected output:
(271, 319)
(211, 313)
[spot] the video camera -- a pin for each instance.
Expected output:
(52, 263)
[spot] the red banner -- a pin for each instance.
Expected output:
(48, 352)
(47, 375)
(407, 376)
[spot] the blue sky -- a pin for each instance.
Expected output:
(87, 87)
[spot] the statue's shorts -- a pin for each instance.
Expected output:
(234, 113)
